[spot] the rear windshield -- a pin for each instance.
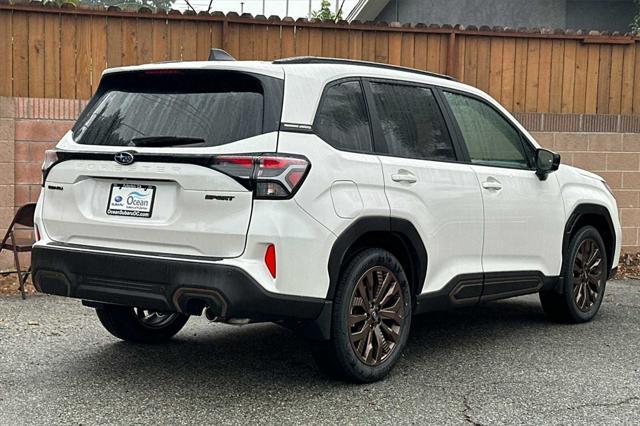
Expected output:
(179, 108)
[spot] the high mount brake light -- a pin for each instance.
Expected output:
(270, 176)
(50, 158)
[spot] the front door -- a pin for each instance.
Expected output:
(523, 215)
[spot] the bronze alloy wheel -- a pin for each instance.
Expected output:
(153, 319)
(588, 275)
(376, 315)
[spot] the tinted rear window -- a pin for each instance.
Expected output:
(217, 107)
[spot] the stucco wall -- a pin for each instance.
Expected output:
(610, 15)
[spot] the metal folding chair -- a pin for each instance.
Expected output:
(23, 220)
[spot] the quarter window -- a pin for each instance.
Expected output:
(489, 137)
(342, 120)
(412, 123)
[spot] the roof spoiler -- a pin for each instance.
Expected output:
(220, 55)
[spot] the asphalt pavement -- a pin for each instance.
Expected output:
(500, 363)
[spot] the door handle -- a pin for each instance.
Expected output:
(404, 177)
(492, 185)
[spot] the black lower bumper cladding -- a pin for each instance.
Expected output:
(163, 285)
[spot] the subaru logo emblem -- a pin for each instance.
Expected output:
(124, 158)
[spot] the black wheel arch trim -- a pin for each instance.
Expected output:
(591, 209)
(402, 228)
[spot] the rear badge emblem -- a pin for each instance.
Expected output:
(124, 158)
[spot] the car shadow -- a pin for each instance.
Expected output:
(237, 357)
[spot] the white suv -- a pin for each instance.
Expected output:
(335, 197)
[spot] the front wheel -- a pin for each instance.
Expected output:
(584, 276)
(370, 319)
(140, 325)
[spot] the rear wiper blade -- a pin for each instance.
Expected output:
(165, 141)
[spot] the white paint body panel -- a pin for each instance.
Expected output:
(465, 228)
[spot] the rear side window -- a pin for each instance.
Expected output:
(186, 108)
(412, 122)
(489, 137)
(342, 120)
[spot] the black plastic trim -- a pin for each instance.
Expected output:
(475, 288)
(164, 285)
(596, 209)
(323, 60)
(400, 227)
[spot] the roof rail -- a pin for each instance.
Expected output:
(323, 60)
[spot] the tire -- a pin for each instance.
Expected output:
(363, 360)
(576, 303)
(140, 326)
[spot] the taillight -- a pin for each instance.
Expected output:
(269, 176)
(50, 158)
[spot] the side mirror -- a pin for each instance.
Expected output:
(546, 162)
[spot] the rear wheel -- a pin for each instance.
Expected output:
(140, 325)
(584, 280)
(370, 319)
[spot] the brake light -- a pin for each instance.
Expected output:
(269, 176)
(50, 158)
(270, 259)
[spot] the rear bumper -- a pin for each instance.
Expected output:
(164, 285)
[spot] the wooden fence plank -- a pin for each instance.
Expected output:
(190, 43)
(176, 34)
(433, 53)
(382, 47)
(508, 73)
(627, 79)
(329, 44)
(302, 41)
(203, 40)
(246, 43)
(580, 86)
(144, 41)
(129, 33)
(557, 70)
(604, 83)
(160, 43)
(407, 53)
(114, 42)
(593, 64)
(444, 50)
(342, 44)
(459, 61)
(533, 75)
(615, 89)
(274, 47)
(484, 63)
(420, 52)
(36, 55)
(495, 71)
(6, 53)
(98, 49)
(568, 76)
(471, 60)
(368, 45)
(315, 42)
(520, 76)
(68, 56)
(83, 58)
(544, 79)
(51, 56)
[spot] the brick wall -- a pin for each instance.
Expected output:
(30, 126)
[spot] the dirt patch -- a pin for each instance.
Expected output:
(629, 266)
(9, 285)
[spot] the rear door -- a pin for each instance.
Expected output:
(140, 169)
(425, 183)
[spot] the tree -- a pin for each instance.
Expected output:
(325, 14)
(635, 24)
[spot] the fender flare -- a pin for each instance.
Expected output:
(402, 228)
(584, 209)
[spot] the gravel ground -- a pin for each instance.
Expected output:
(501, 363)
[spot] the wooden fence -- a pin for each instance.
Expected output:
(60, 53)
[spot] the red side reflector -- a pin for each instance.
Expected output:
(36, 231)
(270, 259)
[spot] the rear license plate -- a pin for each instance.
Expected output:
(131, 200)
